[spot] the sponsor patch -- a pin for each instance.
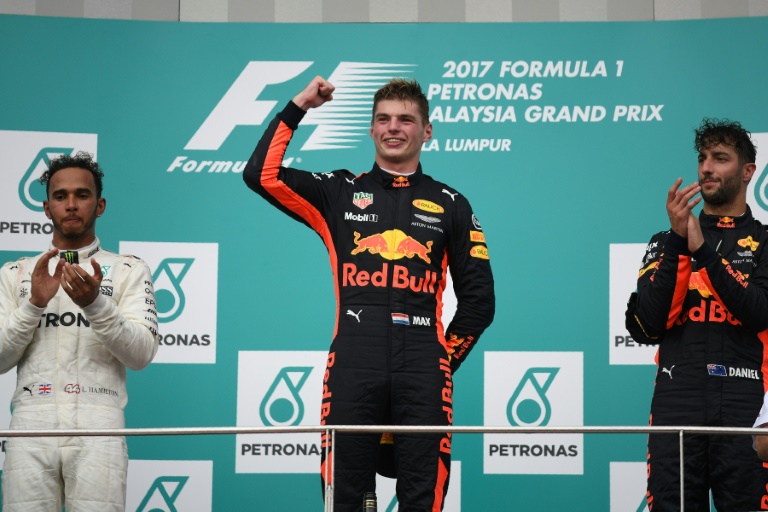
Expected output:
(362, 200)
(479, 251)
(748, 242)
(70, 256)
(427, 206)
(726, 222)
(401, 182)
(477, 236)
(426, 218)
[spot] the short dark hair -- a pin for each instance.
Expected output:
(712, 132)
(81, 160)
(406, 90)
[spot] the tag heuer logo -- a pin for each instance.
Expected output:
(362, 200)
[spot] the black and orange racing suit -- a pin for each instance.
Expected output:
(390, 240)
(709, 313)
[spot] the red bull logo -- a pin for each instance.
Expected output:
(707, 311)
(726, 222)
(392, 244)
(352, 276)
(736, 274)
(374, 244)
(410, 247)
(401, 182)
(697, 283)
(748, 242)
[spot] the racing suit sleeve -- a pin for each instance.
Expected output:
(17, 321)
(127, 328)
(470, 269)
(661, 285)
(745, 297)
(302, 195)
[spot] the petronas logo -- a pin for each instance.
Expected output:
(31, 191)
(168, 291)
(282, 406)
(392, 504)
(529, 406)
(761, 190)
(163, 492)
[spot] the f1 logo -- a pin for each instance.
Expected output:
(341, 122)
(239, 105)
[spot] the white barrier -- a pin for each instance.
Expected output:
(679, 430)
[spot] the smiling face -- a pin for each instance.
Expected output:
(398, 131)
(73, 206)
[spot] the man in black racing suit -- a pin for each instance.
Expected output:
(702, 295)
(391, 236)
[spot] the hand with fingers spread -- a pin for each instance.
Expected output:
(680, 204)
(45, 285)
(81, 287)
(317, 92)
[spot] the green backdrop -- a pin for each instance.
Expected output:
(565, 137)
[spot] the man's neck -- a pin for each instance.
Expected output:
(726, 210)
(65, 244)
(401, 169)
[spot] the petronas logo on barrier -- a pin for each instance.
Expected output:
(282, 405)
(31, 191)
(529, 406)
(168, 291)
(165, 488)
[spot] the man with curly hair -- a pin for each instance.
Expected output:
(71, 333)
(702, 296)
(391, 234)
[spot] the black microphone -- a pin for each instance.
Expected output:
(369, 502)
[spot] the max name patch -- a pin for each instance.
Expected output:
(722, 371)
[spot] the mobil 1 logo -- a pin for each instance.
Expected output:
(534, 389)
(185, 277)
(279, 389)
(26, 155)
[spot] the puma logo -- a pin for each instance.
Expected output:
(664, 370)
(453, 196)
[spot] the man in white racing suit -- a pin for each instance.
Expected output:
(71, 329)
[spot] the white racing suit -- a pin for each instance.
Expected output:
(71, 375)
